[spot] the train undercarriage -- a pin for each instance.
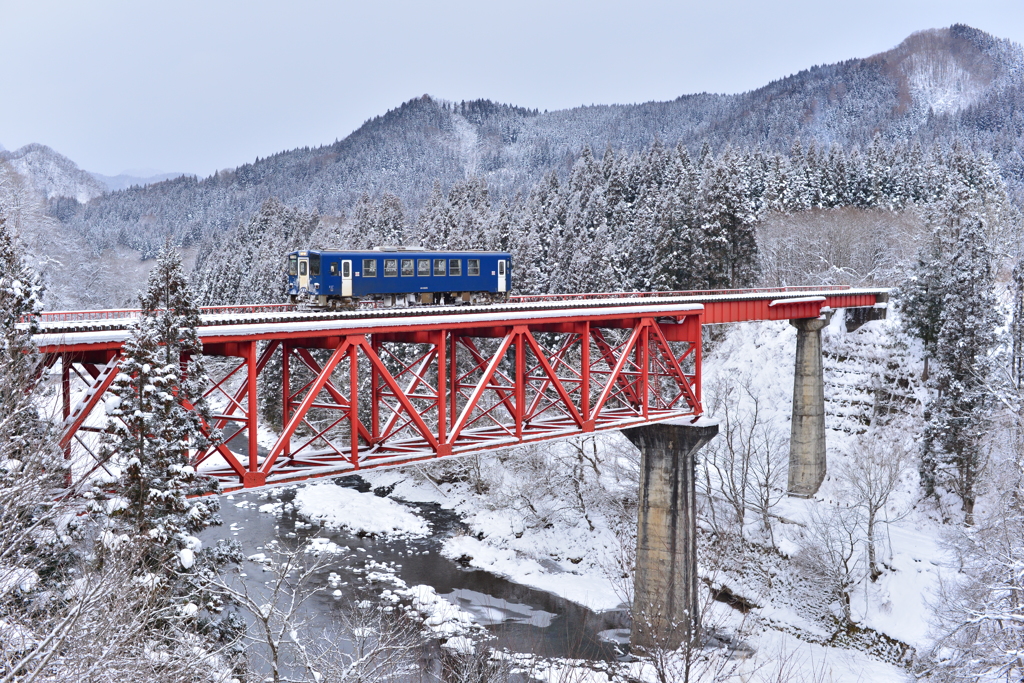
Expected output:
(341, 303)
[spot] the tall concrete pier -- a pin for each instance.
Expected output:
(807, 440)
(665, 609)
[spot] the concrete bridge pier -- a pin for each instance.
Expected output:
(807, 440)
(665, 609)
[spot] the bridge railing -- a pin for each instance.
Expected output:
(527, 298)
(129, 313)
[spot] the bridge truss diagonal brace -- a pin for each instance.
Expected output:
(75, 417)
(258, 476)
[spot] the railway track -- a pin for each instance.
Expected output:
(66, 322)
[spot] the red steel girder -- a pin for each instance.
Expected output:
(403, 396)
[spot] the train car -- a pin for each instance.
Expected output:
(397, 276)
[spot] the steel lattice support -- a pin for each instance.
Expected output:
(364, 390)
(374, 398)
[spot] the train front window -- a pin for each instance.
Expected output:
(369, 267)
(302, 268)
(423, 267)
(439, 264)
(455, 267)
(390, 267)
(314, 265)
(408, 268)
(293, 266)
(334, 267)
(473, 266)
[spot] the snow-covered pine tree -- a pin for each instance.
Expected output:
(585, 251)
(434, 226)
(151, 431)
(363, 220)
(967, 321)
(727, 253)
(389, 224)
(469, 210)
(1017, 326)
(20, 299)
(32, 470)
(540, 220)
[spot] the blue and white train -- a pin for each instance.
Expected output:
(397, 276)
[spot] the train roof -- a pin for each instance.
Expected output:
(399, 250)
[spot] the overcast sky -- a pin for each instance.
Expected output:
(197, 86)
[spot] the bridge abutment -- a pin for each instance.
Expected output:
(665, 608)
(807, 464)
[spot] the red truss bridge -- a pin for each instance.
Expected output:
(382, 387)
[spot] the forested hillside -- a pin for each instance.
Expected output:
(940, 85)
(651, 220)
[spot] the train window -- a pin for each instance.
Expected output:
(501, 267)
(293, 265)
(439, 267)
(302, 268)
(455, 267)
(334, 267)
(423, 267)
(314, 265)
(346, 269)
(473, 266)
(390, 267)
(369, 267)
(408, 270)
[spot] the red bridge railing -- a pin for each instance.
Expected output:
(129, 313)
(526, 298)
(123, 313)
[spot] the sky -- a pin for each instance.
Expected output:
(198, 86)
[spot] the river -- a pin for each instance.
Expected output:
(519, 618)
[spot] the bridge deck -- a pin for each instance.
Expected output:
(394, 386)
(63, 329)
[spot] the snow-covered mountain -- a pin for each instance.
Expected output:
(53, 174)
(123, 181)
(936, 86)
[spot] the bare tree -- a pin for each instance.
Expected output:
(829, 551)
(745, 467)
(870, 474)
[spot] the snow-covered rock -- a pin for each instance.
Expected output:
(338, 507)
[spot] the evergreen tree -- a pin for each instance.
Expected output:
(727, 254)
(32, 471)
(955, 293)
(1017, 326)
(151, 430)
(435, 223)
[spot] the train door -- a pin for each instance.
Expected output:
(502, 286)
(304, 273)
(346, 278)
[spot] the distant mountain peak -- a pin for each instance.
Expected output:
(52, 174)
(139, 177)
(946, 70)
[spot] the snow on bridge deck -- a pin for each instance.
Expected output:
(66, 331)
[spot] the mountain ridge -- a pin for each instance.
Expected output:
(52, 174)
(937, 85)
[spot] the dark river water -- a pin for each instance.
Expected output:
(519, 618)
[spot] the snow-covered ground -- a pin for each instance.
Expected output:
(789, 629)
